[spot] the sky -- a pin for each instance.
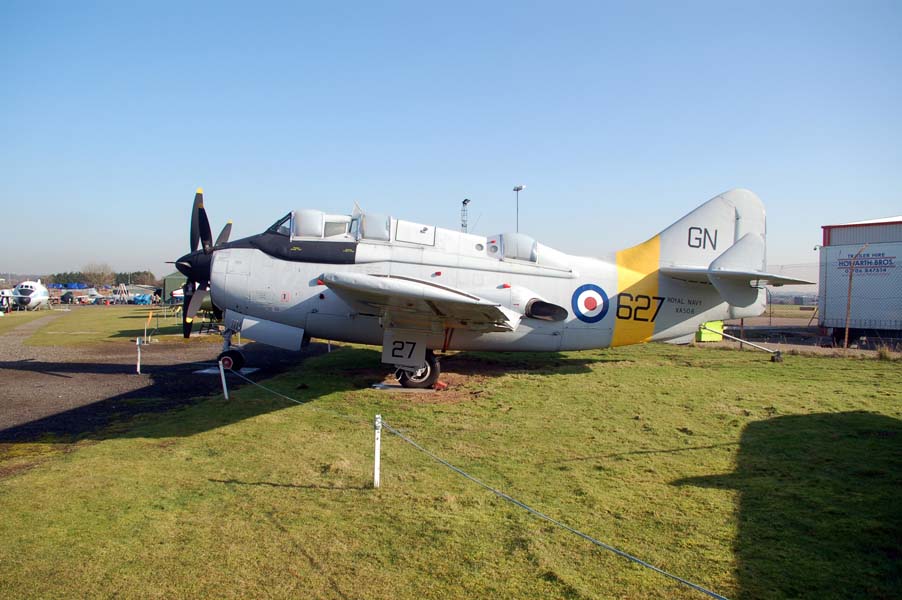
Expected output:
(618, 118)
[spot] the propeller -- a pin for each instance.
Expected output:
(195, 265)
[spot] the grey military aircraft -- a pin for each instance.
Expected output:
(416, 289)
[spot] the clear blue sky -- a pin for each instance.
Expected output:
(619, 119)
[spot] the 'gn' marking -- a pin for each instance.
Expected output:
(702, 238)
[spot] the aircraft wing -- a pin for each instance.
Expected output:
(409, 302)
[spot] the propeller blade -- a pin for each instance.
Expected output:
(188, 290)
(195, 231)
(224, 234)
(194, 304)
(186, 326)
(206, 236)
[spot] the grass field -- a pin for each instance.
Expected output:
(86, 324)
(757, 480)
(789, 311)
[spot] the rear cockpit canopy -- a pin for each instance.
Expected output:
(517, 246)
(521, 247)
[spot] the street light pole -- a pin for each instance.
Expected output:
(518, 189)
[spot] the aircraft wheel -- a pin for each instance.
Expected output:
(423, 378)
(232, 359)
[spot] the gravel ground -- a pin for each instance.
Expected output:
(73, 390)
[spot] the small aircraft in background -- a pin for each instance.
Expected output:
(31, 295)
(415, 289)
(6, 300)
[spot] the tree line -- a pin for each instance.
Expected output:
(99, 274)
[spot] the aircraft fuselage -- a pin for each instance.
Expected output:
(607, 301)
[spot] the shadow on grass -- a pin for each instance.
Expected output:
(640, 452)
(201, 407)
(819, 510)
(539, 363)
(295, 486)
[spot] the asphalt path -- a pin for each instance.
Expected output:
(72, 390)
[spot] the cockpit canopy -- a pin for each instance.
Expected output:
(521, 247)
(309, 224)
(516, 246)
(312, 224)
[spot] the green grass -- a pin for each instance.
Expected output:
(757, 480)
(789, 311)
(87, 324)
(11, 320)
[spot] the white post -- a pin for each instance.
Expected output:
(138, 344)
(225, 388)
(376, 461)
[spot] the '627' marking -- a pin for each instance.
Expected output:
(639, 307)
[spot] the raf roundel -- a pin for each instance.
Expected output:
(590, 303)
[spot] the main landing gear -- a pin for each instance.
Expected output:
(424, 377)
(232, 358)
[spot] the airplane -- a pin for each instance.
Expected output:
(31, 295)
(6, 300)
(416, 289)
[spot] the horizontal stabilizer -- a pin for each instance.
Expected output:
(741, 262)
(703, 275)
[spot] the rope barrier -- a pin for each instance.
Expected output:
(314, 408)
(499, 493)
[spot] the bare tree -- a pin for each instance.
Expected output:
(98, 274)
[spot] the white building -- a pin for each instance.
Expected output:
(876, 298)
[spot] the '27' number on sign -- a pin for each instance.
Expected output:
(399, 349)
(638, 308)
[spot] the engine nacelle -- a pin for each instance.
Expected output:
(526, 302)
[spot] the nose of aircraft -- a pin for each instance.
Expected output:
(195, 266)
(23, 300)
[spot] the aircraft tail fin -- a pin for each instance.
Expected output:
(714, 229)
(722, 242)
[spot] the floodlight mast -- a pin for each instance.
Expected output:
(463, 215)
(518, 189)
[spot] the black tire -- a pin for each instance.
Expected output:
(425, 377)
(232, 359)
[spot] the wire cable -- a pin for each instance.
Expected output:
(551, 520)
(290, 399)
(496, 492)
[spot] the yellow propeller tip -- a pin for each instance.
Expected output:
(189, 320)
(200, 190)
(230, 221)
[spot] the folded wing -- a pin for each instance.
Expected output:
(415, 303)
